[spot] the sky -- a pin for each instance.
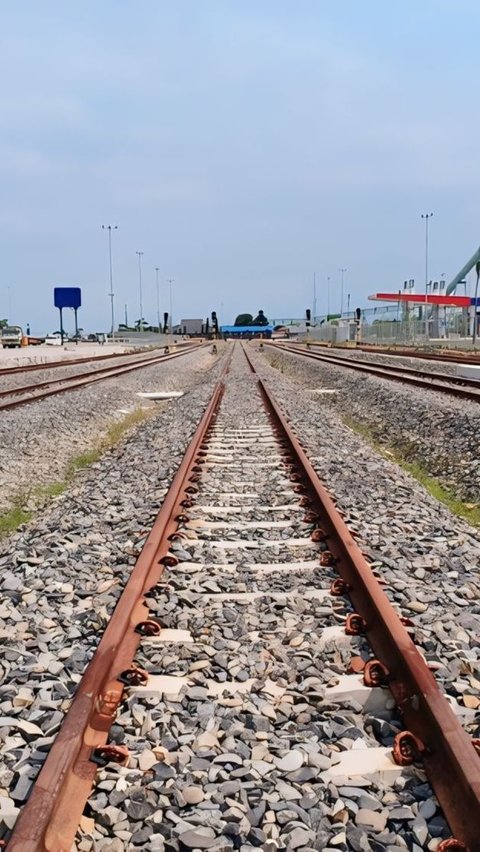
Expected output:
(241, 145)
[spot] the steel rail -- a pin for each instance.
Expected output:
(49, 820)
(448, 754)
(394, 368)
(442, 382)
(47, 365)
(463, 357)
(78, 380)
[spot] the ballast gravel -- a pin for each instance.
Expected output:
(232, 769)
(438, 431)
(38, 441)
(61, 575)
(429, 556)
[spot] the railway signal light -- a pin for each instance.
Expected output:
(308, 315)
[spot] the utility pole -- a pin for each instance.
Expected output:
(475, 316)
(140, 254)
(157, 270)
(170, 282)
(328, 297)
(109, 228)
(314, 297)
(342, 272)
(426, 216)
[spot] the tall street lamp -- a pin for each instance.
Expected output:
(328, 297)
(342, 272)
(157, 270)
(140, 255)
(426, 216)
(111, 228)
(170, 282)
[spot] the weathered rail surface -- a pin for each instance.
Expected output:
(87, 359)
(433, 736)
(441, 382)
(26, 394)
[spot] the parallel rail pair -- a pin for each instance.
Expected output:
(26, 394)
(442, 382)
(50, 818)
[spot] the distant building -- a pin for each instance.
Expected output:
(189, 326)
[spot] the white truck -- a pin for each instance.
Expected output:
(11, 336)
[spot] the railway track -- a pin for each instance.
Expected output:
(450, 357)
(47, 365)
(242, 667)
(15, 397)
(441, 382)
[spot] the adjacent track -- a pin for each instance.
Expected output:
(450, 357)
(434, 736)
(88, 359)
(441, 382)
(26, 394)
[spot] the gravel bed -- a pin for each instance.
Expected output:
(428, 556)
(251, 770)
(438, 431)
(235, 771)
(38, 440)
(55, 374)
(61, 575)
(421, 364)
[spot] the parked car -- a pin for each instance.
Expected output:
(53, 339)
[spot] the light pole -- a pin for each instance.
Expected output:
(328, 297)
(314, 296)
(342, 272)
(426, 216)
(111, 228)
(170, 282)
(475, 317)
(140, 255)
(157, 270)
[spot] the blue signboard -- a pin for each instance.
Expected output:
(67, 297)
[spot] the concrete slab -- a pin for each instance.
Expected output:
(375, 764)
(352, 686)
(200, 524)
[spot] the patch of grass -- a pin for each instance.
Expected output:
(14, 518)
(468, 511)
(27, 503)
(81, 461)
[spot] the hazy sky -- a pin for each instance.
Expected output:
(240, 144)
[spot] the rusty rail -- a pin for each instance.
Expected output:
(443, 382)
(52, 387)
(51, 816)
(88, 359)
(448, 754)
